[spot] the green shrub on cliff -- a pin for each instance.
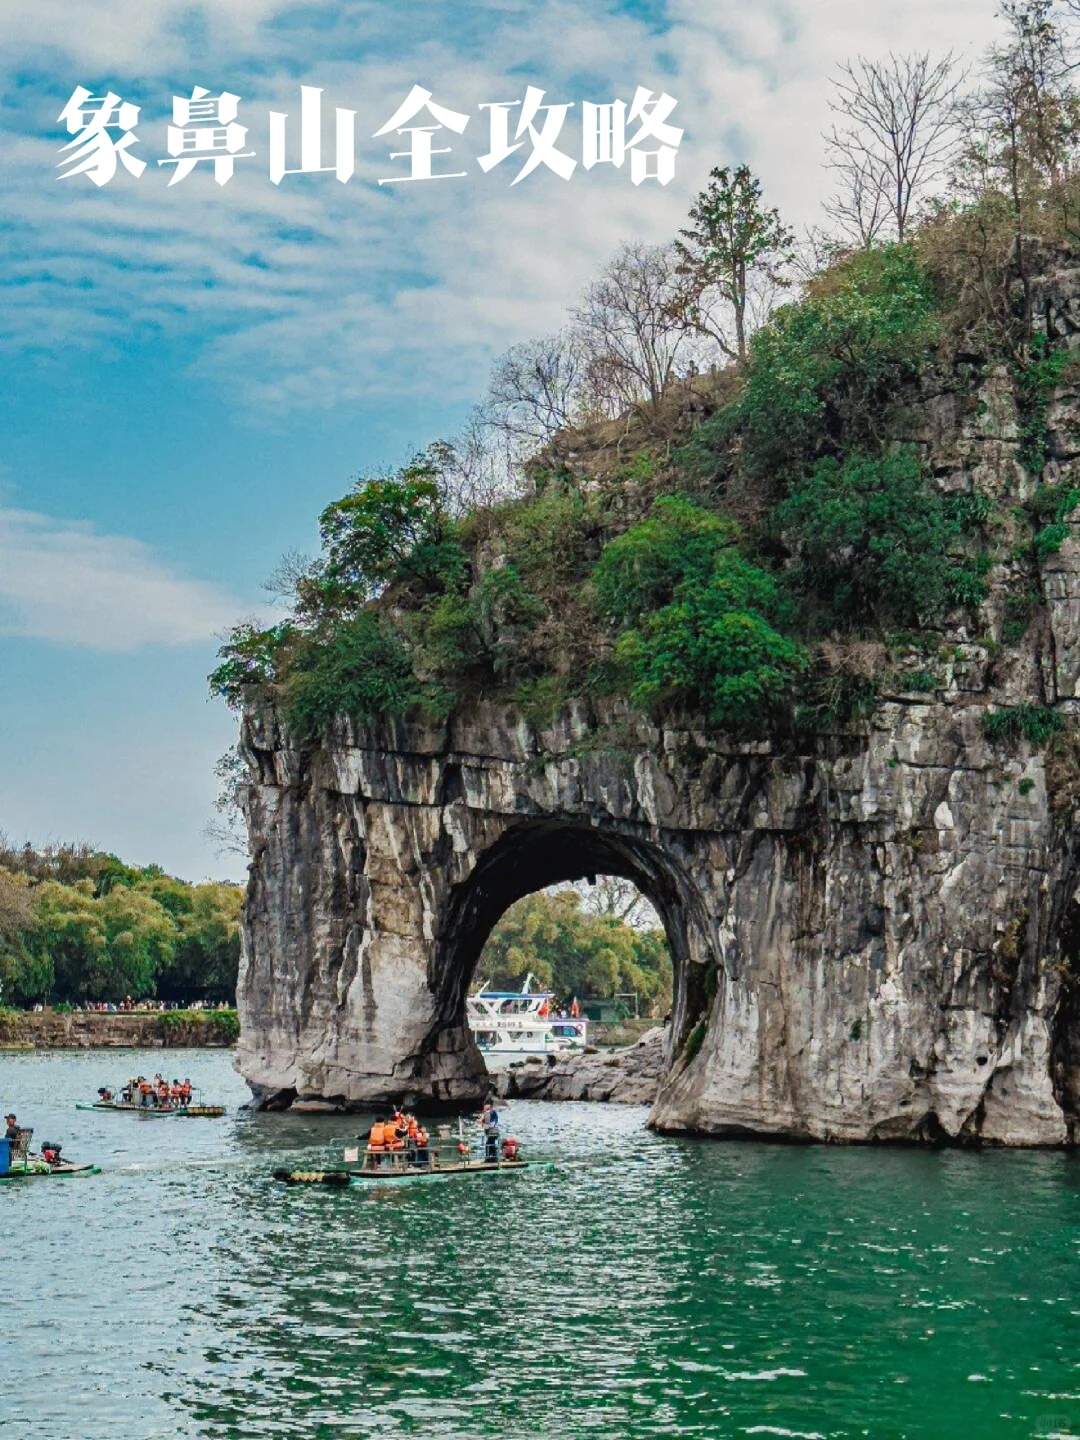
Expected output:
(824, 370)
(700, 619)
(360, 668)
(250, 656)
(641, 569)
(873, 539)
(385, 531)
(1037, 724)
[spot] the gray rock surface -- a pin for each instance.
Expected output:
(628, 1076)
(873, 936)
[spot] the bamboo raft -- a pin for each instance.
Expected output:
(400, 1174)
(157, 1112)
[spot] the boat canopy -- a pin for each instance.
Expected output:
(514, 995)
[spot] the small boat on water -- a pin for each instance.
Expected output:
(17, 1163)
(447, 1157)
(514, 1025)
(34, 1168)
(153, 1100)
(156, 1112)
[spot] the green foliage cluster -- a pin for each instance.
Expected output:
(107, 931)
(392, 530)
(360, 668)
(677, 608)
(572, 952)
(1050, 508)
(873, 538)
(1037, 380)
(338, 654)
(1037, 724)
(824, 371)
(699, 619)
(250, 656)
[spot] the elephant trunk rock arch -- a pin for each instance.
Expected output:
(860, 935)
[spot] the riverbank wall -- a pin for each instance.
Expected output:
(77, 1030)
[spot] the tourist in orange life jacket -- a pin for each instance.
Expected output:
(376, 1143)
(396, 1130)
(185, 1091)
(145, 1092)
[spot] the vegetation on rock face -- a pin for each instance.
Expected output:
(735, 546)
(824, 371)
(871, 536)
(77, 925)
(1037, 724)
(698, 619)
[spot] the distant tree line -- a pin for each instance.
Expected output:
(78, 925)
(574, 949)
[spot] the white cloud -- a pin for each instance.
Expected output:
(67, 581)
(319, 295)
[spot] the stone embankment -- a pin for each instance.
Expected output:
(172, 1029)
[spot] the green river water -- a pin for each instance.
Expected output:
(645, 1287)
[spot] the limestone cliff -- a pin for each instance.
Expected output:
(873, 931)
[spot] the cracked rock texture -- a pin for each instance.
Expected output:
(872, 936)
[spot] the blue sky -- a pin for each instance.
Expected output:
(189, 374)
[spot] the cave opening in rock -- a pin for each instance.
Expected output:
(536, 863)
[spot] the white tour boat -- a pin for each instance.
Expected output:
(513, 1025)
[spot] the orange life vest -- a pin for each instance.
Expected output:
(377, 1136)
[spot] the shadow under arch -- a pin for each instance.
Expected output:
(534, 854)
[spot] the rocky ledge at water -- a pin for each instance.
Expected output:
(627, 1076)
(874, 932)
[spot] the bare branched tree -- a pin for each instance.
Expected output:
(228, 833)
(287, 575)
(619, 898)
(895, 133)
(630, 330)
(536, 389)
(480, 466)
